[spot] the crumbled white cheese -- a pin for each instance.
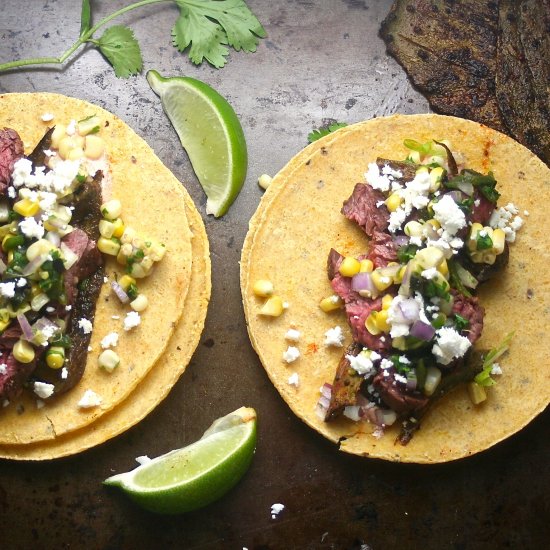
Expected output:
(85, 325)
(386, 364)
(21, 282)
(334, 337)
(293, 335)
(7, 289)
(291, 354)
(57, 180)
(449, 345)
(43, 390)
(382, 181)
(47, 117)
(496, 369)
(430, 273)
(506, 218)
(89, 399)
(449, 215)
(143, 459)
(64, 373)
(111, 340)
(362, 364)
(3, 368)
(294, 379)
(71, 128)
(276, 509)
(400, 378)
(131, 320)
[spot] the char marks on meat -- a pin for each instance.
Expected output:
(470, 309)
(485, 61)
(11, 150)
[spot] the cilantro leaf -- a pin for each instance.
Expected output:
(325, 131)
(85, 17)
(122, 51)
(208, 25)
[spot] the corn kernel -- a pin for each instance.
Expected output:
(371, 325)
(398, 278)
(140, 303)
(55, 357)
(331, 303)
(382, 321)
(59, 132)
(366, 266)
(108, 360)
(472, 239)
(106, 228)
(118, 229)
(477, 393)
(413, 229)
(273, 307)
(498, 241)
(93, 147)
(264, 181)
(23, 351)
(126, 281)
(381, 282)
(263, 288)
(436, 175)
(429, 257)
(75, 154)
(386, 301)
(26, 207)
(108, 246)
(68, 143)
(41, 246)
(443, 268)
(393, 202)
(111, 210)
(349, 267)
(434, 223)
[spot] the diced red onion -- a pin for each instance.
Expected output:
(422, 331)
(401, 240)
(370, 413)
(120, 293)
(34, 264)
(405, 288)
(412, 381)
(409, 310)
(456, 195)
(362, 283)
(43, 323)
(54, 238)
(326, 390)
(25, 326)
(353, 412)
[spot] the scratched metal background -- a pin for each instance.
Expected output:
(322, 60)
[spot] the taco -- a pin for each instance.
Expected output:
(291, 235)
(129, 174)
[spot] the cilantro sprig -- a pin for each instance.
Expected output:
(204, 27)
(325, 131)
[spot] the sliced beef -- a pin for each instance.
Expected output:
(13, 374)
(87, 206)
(357, 308)
(383, 249)
(470, 309)
(346, 384)
(395, 395)
(11, 150)
(364, 208)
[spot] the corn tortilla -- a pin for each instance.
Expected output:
(288, 242)
(153, 204)
(156, 385)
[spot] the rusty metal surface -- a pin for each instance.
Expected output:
(322, 60)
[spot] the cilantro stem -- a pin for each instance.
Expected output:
(85, 37)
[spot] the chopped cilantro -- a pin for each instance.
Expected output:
(325, 131)
(485, 183)
(461, 323)
(483, 242)
(406, 253)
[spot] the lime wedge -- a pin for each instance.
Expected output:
(210, 132)
(196, 475)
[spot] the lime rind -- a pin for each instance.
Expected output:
(221, 457)
(211, 134)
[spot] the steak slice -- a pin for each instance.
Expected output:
(362, 208)
(470, 309)
(13, 374)
(11, 150)
(346, 384)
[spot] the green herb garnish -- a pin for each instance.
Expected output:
(461, 323)
(325, 131)
(406, 253)
(205, 27)
(483, 242)
(486, 183)
(484, 377)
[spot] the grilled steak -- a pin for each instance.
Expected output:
(487, 61)
(11, 150)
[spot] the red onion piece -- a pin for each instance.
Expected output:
(326, 390)
(362, 283)
(456, 195)
(422, 331)
(412, 381)
(405, 288)
(409, 310)
(119, 291)
(401, 240)
(25, 327)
